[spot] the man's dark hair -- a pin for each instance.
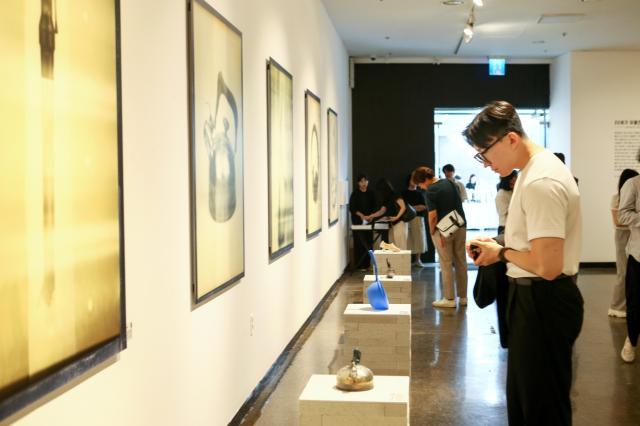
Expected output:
(448, 168)
(625, 176)
(362, 176)
(494, 121)
(505, 181)
(422, 174)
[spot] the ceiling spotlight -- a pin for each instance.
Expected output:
(468, 32)
(478, 3)
(453, 2)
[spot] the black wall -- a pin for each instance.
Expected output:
(393, 108)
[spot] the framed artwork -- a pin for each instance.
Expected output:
(312, 144)
(332, 136)
(280, 157)
(216, 152)
(62, 293)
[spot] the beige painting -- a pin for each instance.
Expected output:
(217, 152)
(314, 201)
(280, 119)
(60, 284)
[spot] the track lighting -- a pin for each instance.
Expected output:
(468, 32)
(478, 3)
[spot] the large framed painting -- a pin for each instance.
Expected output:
(312, 144)
(332, 136)
(280, 157)
(216, 152)
(61, 234)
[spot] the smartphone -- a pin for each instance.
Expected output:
(475, 251)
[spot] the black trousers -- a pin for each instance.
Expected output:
(632, 291)
(544, 320)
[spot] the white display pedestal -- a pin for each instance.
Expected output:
(400, 262)
(322, 404)
(383, 337)
(398, 288)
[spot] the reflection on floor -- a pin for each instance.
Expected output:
(458, 368)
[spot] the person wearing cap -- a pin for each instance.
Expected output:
(542, 252)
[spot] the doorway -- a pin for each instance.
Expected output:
(480, 182)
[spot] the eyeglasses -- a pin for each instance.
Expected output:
(480, 156)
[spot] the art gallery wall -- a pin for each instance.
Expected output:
(590, 90)
(198, 367)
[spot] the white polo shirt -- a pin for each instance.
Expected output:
(545, 203)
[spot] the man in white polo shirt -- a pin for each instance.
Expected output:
(542, 251)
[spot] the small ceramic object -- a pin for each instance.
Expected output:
(354, 377)
(390, 271)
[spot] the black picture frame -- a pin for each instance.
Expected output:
(21, 395)
(218, 222)
(280, 176)
(313, 166)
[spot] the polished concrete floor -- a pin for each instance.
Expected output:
(458, 368)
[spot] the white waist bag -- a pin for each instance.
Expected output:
(450, 223)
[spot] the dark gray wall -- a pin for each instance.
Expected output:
(393, 108)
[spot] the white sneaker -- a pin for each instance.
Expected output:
(462, 301)
(444, 303)
(418, 263)
(628, 352)
(616, 313)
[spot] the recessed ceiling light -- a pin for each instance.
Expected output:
(538, 42)
(453, 2)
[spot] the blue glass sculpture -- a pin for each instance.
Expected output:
(375, 292)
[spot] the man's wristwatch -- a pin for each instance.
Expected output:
(501, 254)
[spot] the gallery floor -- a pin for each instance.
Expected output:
(458, 368)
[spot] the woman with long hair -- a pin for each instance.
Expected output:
(417, 235)
(393, 208)
(618, 306)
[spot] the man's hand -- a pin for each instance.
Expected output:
(488, 251)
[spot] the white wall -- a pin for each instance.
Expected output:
(198, 367)
(559, 136)
(603, 87)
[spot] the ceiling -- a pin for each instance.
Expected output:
(392, 29)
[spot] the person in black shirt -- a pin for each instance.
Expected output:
(393, 208)
(362, 204)
(442, 198)
(417, 236)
